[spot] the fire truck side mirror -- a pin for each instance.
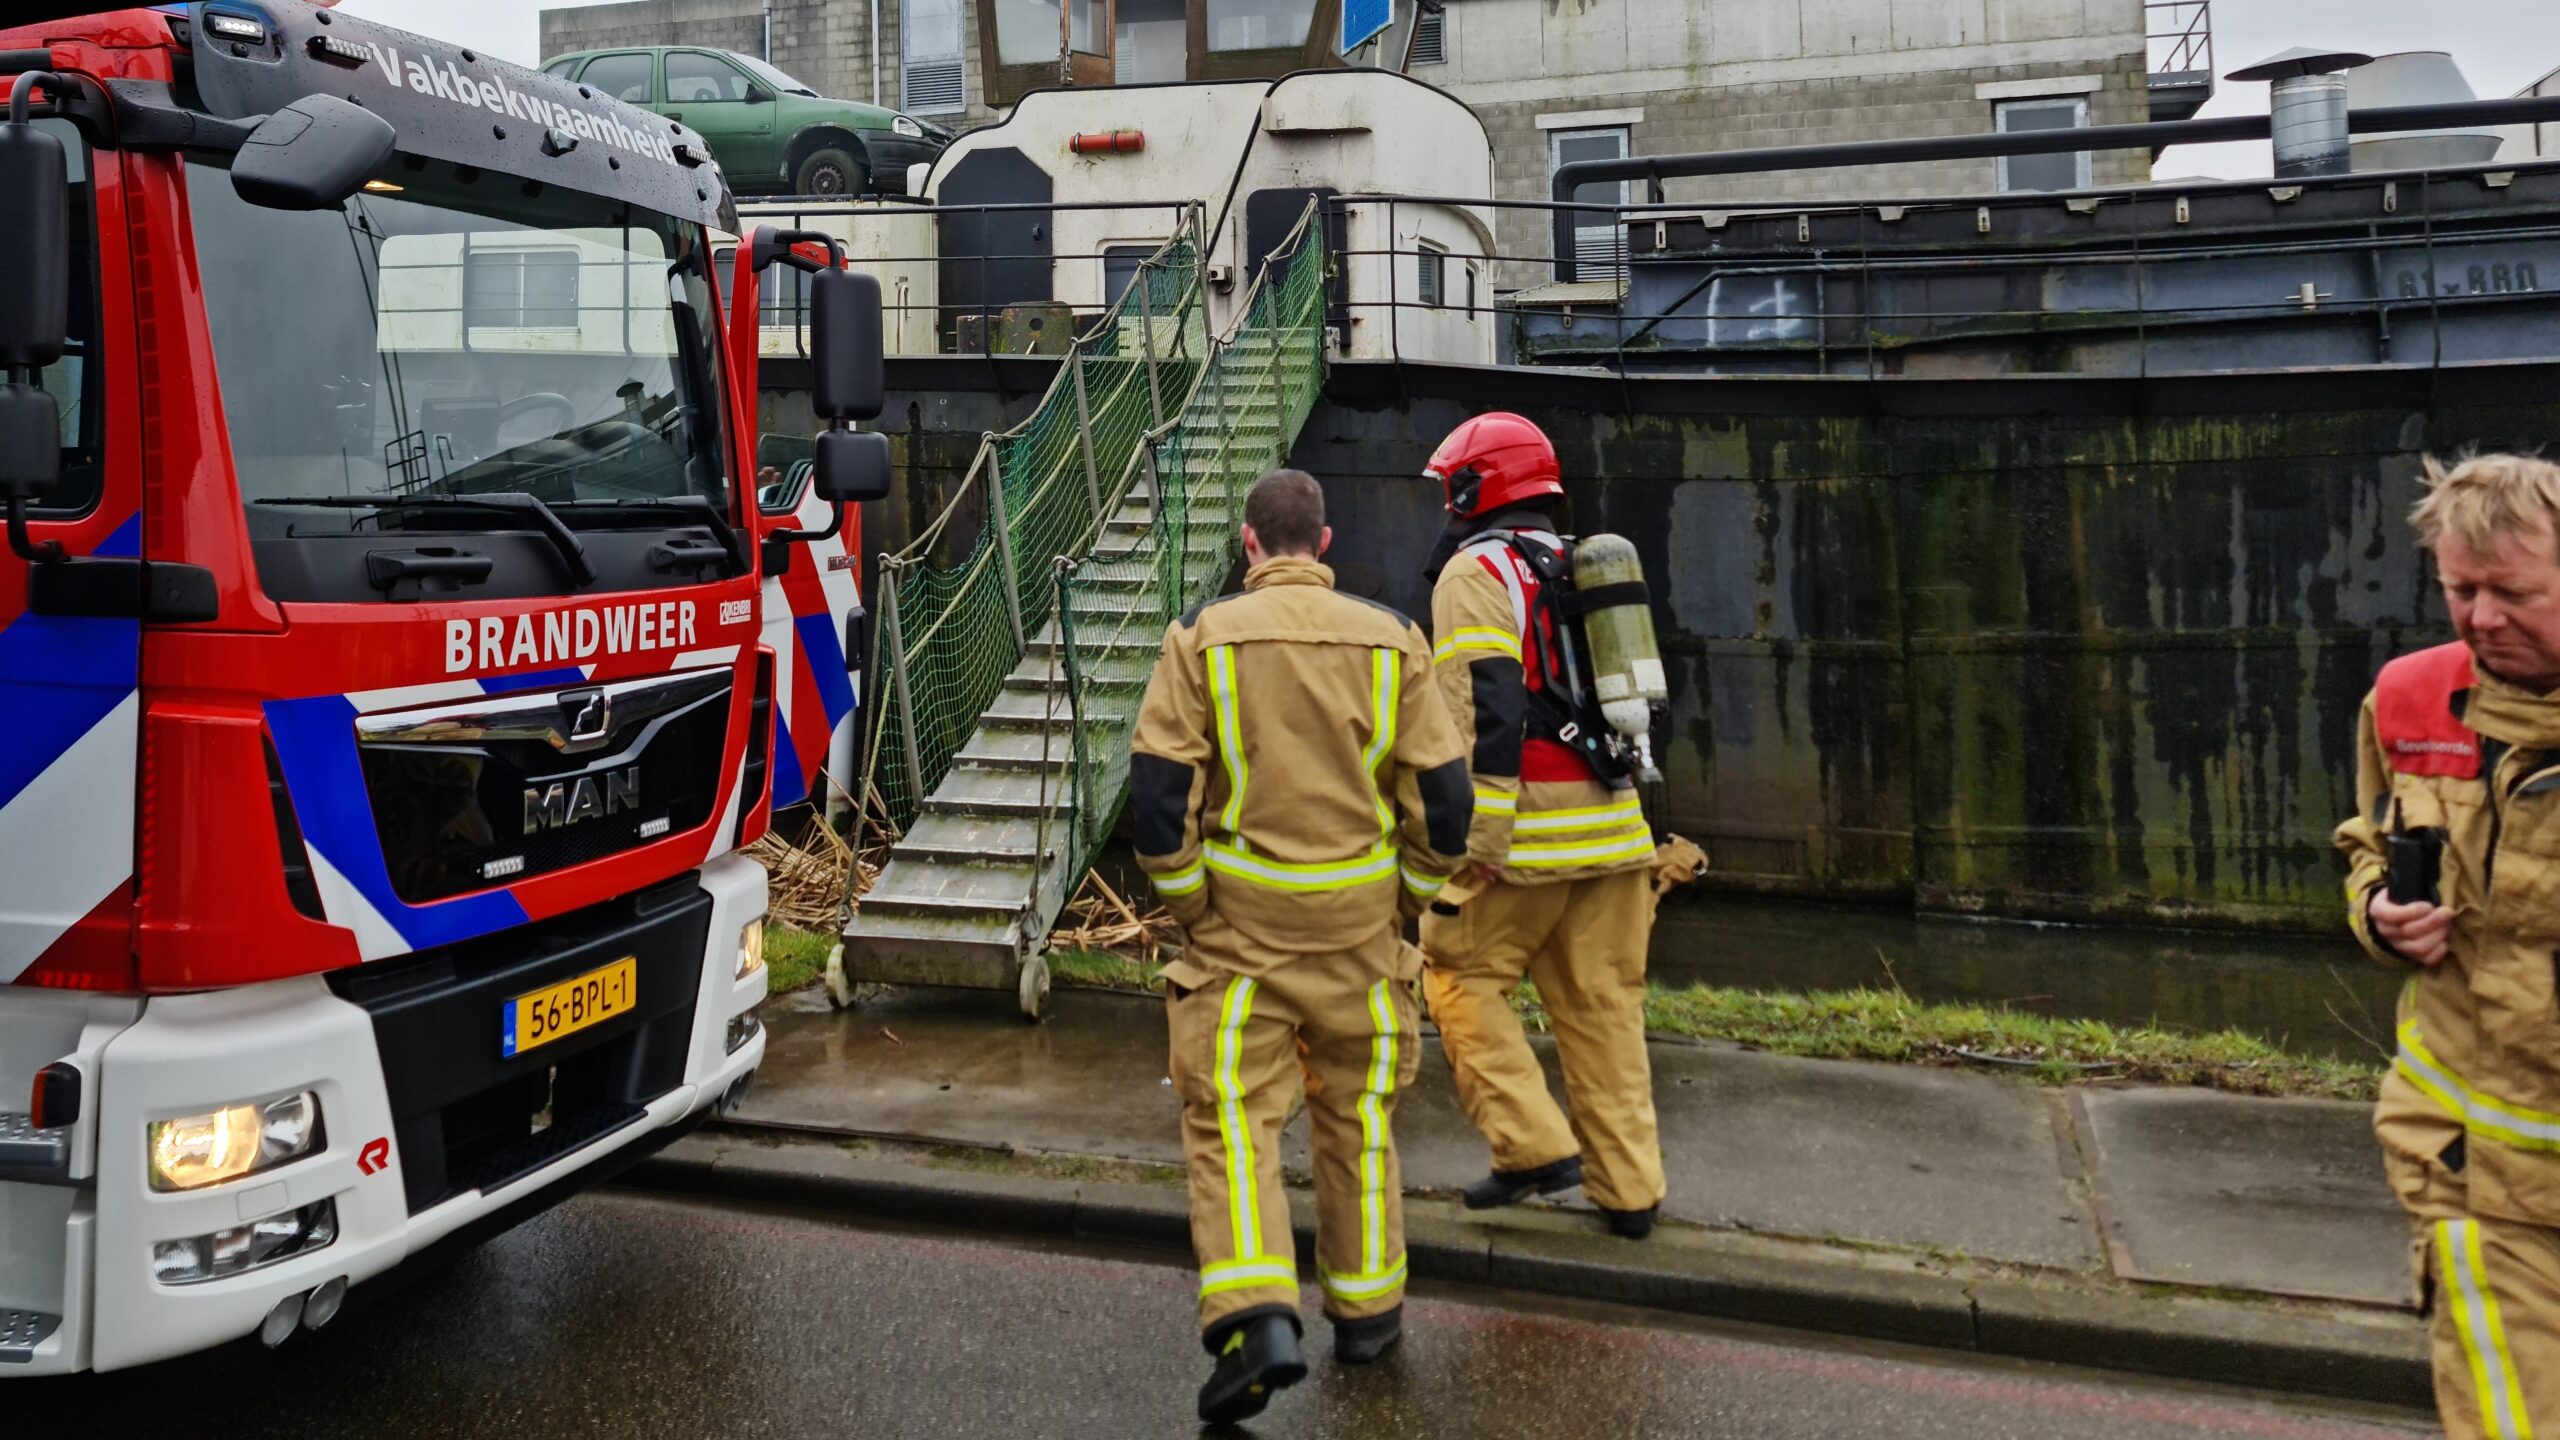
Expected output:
(852, 466)
(312, 154)
(35, 301)
(846, 380)
(30, 443)
(35, 247)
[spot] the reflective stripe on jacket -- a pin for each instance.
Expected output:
(2472, 1103)
(1294, 770)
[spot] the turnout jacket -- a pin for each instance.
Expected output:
(2470, 1114)
(1541, 815)
(1294, 776)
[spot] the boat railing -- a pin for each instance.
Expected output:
(988, 252)
(2404, 267)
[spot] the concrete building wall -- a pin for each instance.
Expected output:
(1735, 74)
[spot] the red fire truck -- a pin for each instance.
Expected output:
(380, 651)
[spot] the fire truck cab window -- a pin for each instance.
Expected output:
(445, 335)
(76, 380)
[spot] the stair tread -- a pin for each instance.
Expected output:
(982, 852)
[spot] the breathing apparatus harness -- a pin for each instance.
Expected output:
(1565, 706)
(1600, 674)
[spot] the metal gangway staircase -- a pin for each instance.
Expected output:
(1009, 678)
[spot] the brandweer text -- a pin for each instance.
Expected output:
(565, 636)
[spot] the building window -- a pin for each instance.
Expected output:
(1260, 24)
(1430, 39)
(1153, 41)
(520, 289)
(1120, 266)
(2068, 171)
(1431, 264)
(1027, 30)
(1597, 235)
(1471, 289)
(933, 74)
(625, 77)
(694, 78)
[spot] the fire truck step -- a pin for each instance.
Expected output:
(22, 1332)
(32, 1155)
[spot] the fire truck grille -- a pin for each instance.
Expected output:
(465, 797)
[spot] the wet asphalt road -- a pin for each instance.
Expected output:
(628, 1316)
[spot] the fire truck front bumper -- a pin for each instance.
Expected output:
(243, 1157)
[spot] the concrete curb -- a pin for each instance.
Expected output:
(2333, 1351)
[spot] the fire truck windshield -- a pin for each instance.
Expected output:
(452, 333)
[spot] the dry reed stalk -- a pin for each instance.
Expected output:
(1099, 919)
(813, 879)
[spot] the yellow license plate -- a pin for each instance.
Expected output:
(569, 1007)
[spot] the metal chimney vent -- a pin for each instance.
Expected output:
(2418, 77)
(2308, 108)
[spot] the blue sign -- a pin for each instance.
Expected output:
(1362, 20)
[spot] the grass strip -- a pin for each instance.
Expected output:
(794, 958)
(1892, 1026)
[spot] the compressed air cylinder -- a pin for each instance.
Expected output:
(1617, 625)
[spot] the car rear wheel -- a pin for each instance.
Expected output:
(831, 170)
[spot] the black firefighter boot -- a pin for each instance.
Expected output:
(1257, 1353)
(1629, 1224)
(1362, 1341)
(1510, 1187)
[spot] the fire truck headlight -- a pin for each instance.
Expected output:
(225, 1253)
(194, 1151)
(751, 949)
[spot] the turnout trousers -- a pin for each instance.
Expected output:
(2493, 1321)
(1346, 1026)
(1583, 942)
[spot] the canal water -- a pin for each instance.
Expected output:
(2317, 996)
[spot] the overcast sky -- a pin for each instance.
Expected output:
(2502, 45)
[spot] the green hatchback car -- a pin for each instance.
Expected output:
(770, 132)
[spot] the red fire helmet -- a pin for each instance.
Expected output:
(1492, 462)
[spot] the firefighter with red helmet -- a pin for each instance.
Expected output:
(1558, 888)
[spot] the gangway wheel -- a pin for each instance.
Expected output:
(1034, 989)
(839, 988)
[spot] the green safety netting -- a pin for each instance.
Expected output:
(1031, 496)
(1114, 602)
(1085, 551)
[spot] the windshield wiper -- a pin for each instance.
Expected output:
(573, 551)
(698, 507)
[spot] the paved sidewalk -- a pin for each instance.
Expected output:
(2179, 1187)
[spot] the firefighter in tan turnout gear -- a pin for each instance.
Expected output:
(1297, 793)
(1559, 888)
(2455, 857)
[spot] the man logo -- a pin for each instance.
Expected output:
(587, 716)
(564, 803)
